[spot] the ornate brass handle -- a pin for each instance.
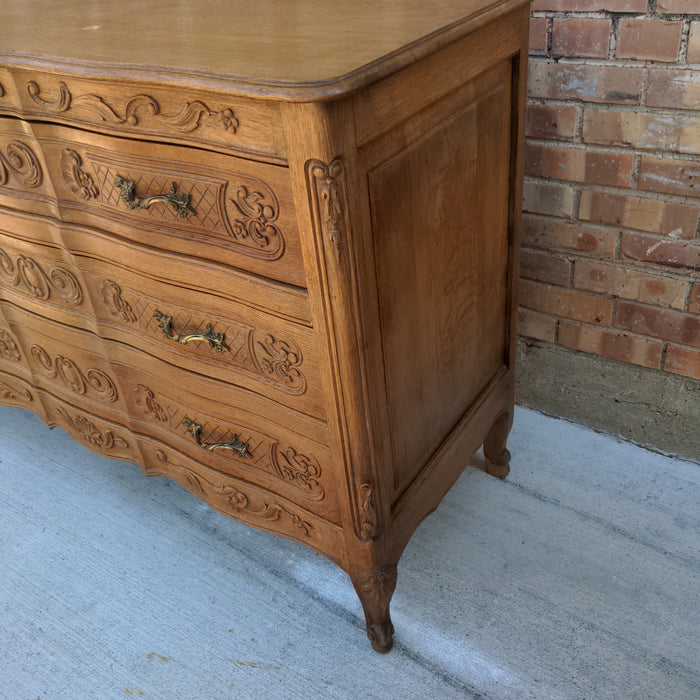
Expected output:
(217, 341)
(234, 444)
(179, 202)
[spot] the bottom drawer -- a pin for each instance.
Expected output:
(243, 501)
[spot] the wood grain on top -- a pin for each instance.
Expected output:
(294, 49)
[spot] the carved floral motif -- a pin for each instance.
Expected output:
(94, 381)
(112, 295)
(326, 186)
(80, 182)
(236, 500)
(369, 519)
(90, 433)
(27, 273)
(20, 162)
(146, 399)
(378, 586)
(186, 120)
(8, 347)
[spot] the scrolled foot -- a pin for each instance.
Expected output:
(375, 589)
(501, 468)
(496, 455)
(381, 637)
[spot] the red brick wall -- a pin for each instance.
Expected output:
(611, 247)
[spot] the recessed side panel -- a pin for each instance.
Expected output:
(440, 222)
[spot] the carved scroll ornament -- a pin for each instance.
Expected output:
(20, 162)
(93, 381)
(257, 212)
(238, 503)
(10, 393)
(280, 360)
(28, 274)
(186, 120)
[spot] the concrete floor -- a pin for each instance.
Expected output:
(575, 578)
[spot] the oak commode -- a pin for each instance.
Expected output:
(268, 250)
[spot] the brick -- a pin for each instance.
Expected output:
(538, 35)
(674, 88)
(694, 303)
(579, 165)
(617, 346)
(551, 121)
(678, 132)
(665, 324)
(660, 252)
(551, 234)
(682, 361)
(670, 176)
(565, 302)
(678, 220)
(694, 43)
(678, 7)
(547, 198)
(629, 284)
(648, 39)
(589, 5)
(586, 38)
(610, 84)
(534, 324)
(543, 267)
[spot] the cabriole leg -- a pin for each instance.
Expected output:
(375, 590)
(496, 455)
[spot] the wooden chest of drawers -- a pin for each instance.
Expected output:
(268, 250)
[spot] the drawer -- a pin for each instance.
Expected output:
(146, 110)
(230, 432)
(198, 203)
(200, 331)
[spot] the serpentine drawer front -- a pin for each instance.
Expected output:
(272, 261)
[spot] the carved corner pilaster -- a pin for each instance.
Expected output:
(369, 527)
(326, 185)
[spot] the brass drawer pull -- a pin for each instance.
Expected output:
(234, 444)
(179, 202)
(217, 341)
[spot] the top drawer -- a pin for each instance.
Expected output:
(201, 204)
